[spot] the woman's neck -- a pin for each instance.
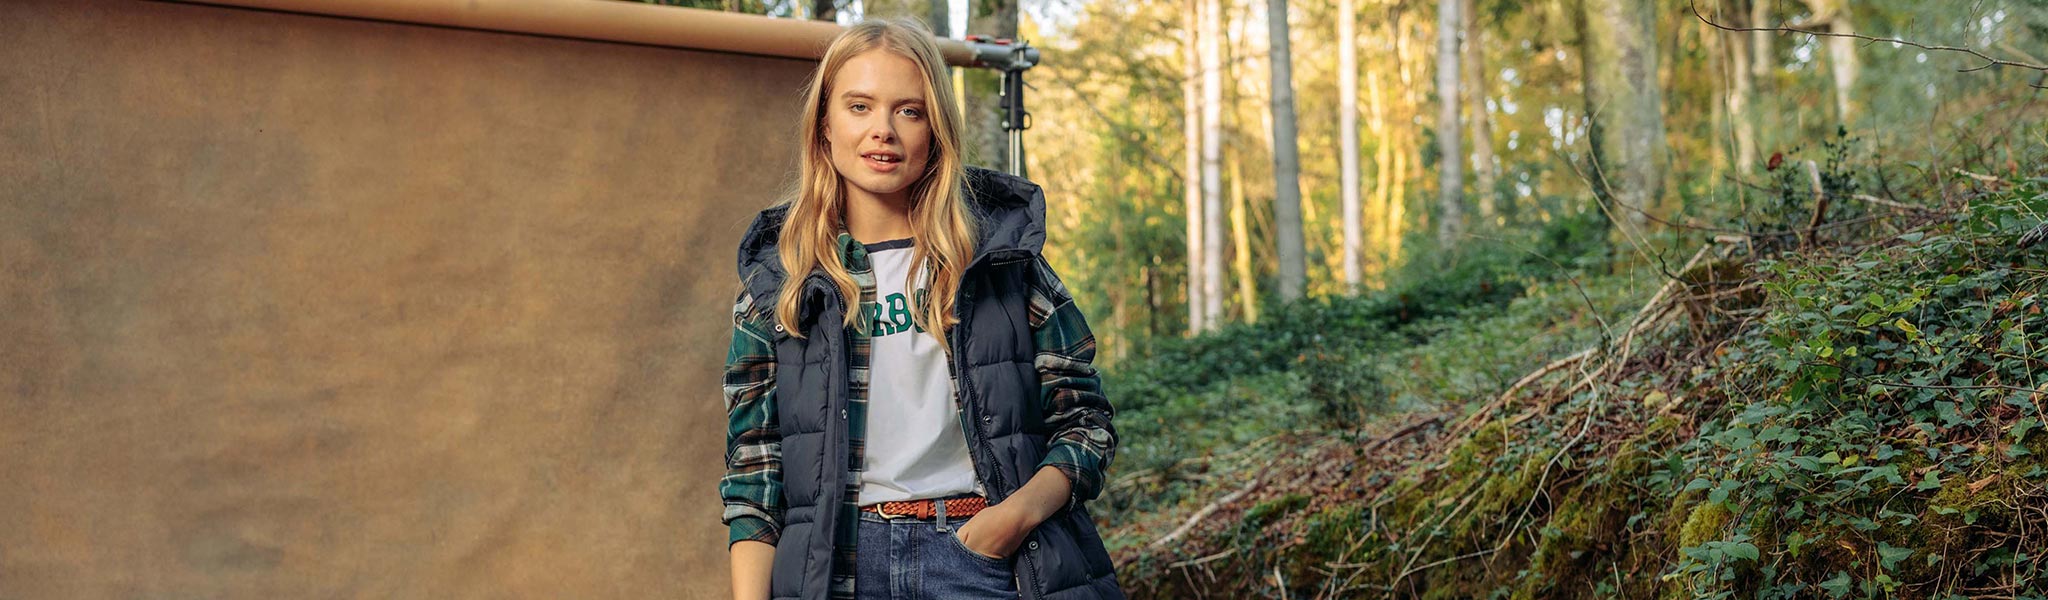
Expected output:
(872, 219)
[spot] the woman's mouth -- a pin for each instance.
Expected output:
(882, 162)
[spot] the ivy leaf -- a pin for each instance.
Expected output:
(1888, 472)
(1947, 410)
(1928, 482)
(2022, 426)
(1719, 495)
(1746, 550)
(1912, 333)
(1838, 586)
(1889, 556)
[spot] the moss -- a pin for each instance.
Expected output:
(1329, 533)
(1265, 512)
(1703, 524)
(1477, 450)
(1566, 546)
(1511, 490)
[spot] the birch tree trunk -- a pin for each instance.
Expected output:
(1191, 182)
(1211, 44)
(1451, 156)
(935, 14)
(985, 143)
(1742, 89)
(1627, 123)
(1760, 53)
(1383, 165)
(1347, 131)
(1241, 235)
(1286, 157)
(1474, 64)
(1841, 51)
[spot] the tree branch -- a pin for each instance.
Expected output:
(1989, 61)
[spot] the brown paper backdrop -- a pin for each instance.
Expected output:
(309, 307)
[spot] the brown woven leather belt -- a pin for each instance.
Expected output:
(956, 508)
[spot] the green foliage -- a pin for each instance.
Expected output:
(1335, 363)
(1868, 426)
(1884, 384)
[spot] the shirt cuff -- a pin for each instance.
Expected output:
(1080, 466)
(752, 528)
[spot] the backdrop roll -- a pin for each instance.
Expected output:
(311, 307)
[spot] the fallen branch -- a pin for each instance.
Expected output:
(1980, 177)
(1403, 432)
(1820, 206)
(1204, 512)
(1645, 318)
(1206, 559)
(1486, 412)
(1883, 202)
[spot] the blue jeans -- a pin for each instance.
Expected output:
(909, 559)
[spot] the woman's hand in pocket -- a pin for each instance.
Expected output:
(996, 531)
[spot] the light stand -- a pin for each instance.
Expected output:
(1013, 58)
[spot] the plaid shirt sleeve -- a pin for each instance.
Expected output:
(752, 486)
(1070, 391)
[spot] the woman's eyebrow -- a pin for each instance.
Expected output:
(858, 94)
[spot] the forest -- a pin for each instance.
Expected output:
(1548, 299)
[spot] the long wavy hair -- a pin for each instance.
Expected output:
(940, 222)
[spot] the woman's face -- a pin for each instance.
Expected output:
(875, 125)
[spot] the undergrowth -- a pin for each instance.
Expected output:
(1853, 412)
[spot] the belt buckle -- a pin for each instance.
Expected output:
(882, 509)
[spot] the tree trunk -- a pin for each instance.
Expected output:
(1347, 131)
(1483, 171)
(825, 10)
(1191, 71)
(1760, 53)
(1241, 235)
(986, 144)
(1451, 156)
(1383, 167)
(1211, 44)
(1842, 57)
(1627, 124)
(1841, 52)
(1286, 158)
(1395, 223)
(933, 13)
(1742, 90)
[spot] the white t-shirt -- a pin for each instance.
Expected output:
(914, 446)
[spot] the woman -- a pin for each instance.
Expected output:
(915, 415)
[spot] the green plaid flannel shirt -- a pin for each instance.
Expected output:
(1070, 395)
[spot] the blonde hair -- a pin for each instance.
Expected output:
(940, 222)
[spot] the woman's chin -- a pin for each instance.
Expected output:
(879, 186)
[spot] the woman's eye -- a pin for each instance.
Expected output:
(913, 113)
(858, 107)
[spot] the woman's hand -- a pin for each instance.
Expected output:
(996, 531)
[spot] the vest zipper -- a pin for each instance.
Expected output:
(1030, 589)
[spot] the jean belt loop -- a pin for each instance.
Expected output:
(939, 504)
